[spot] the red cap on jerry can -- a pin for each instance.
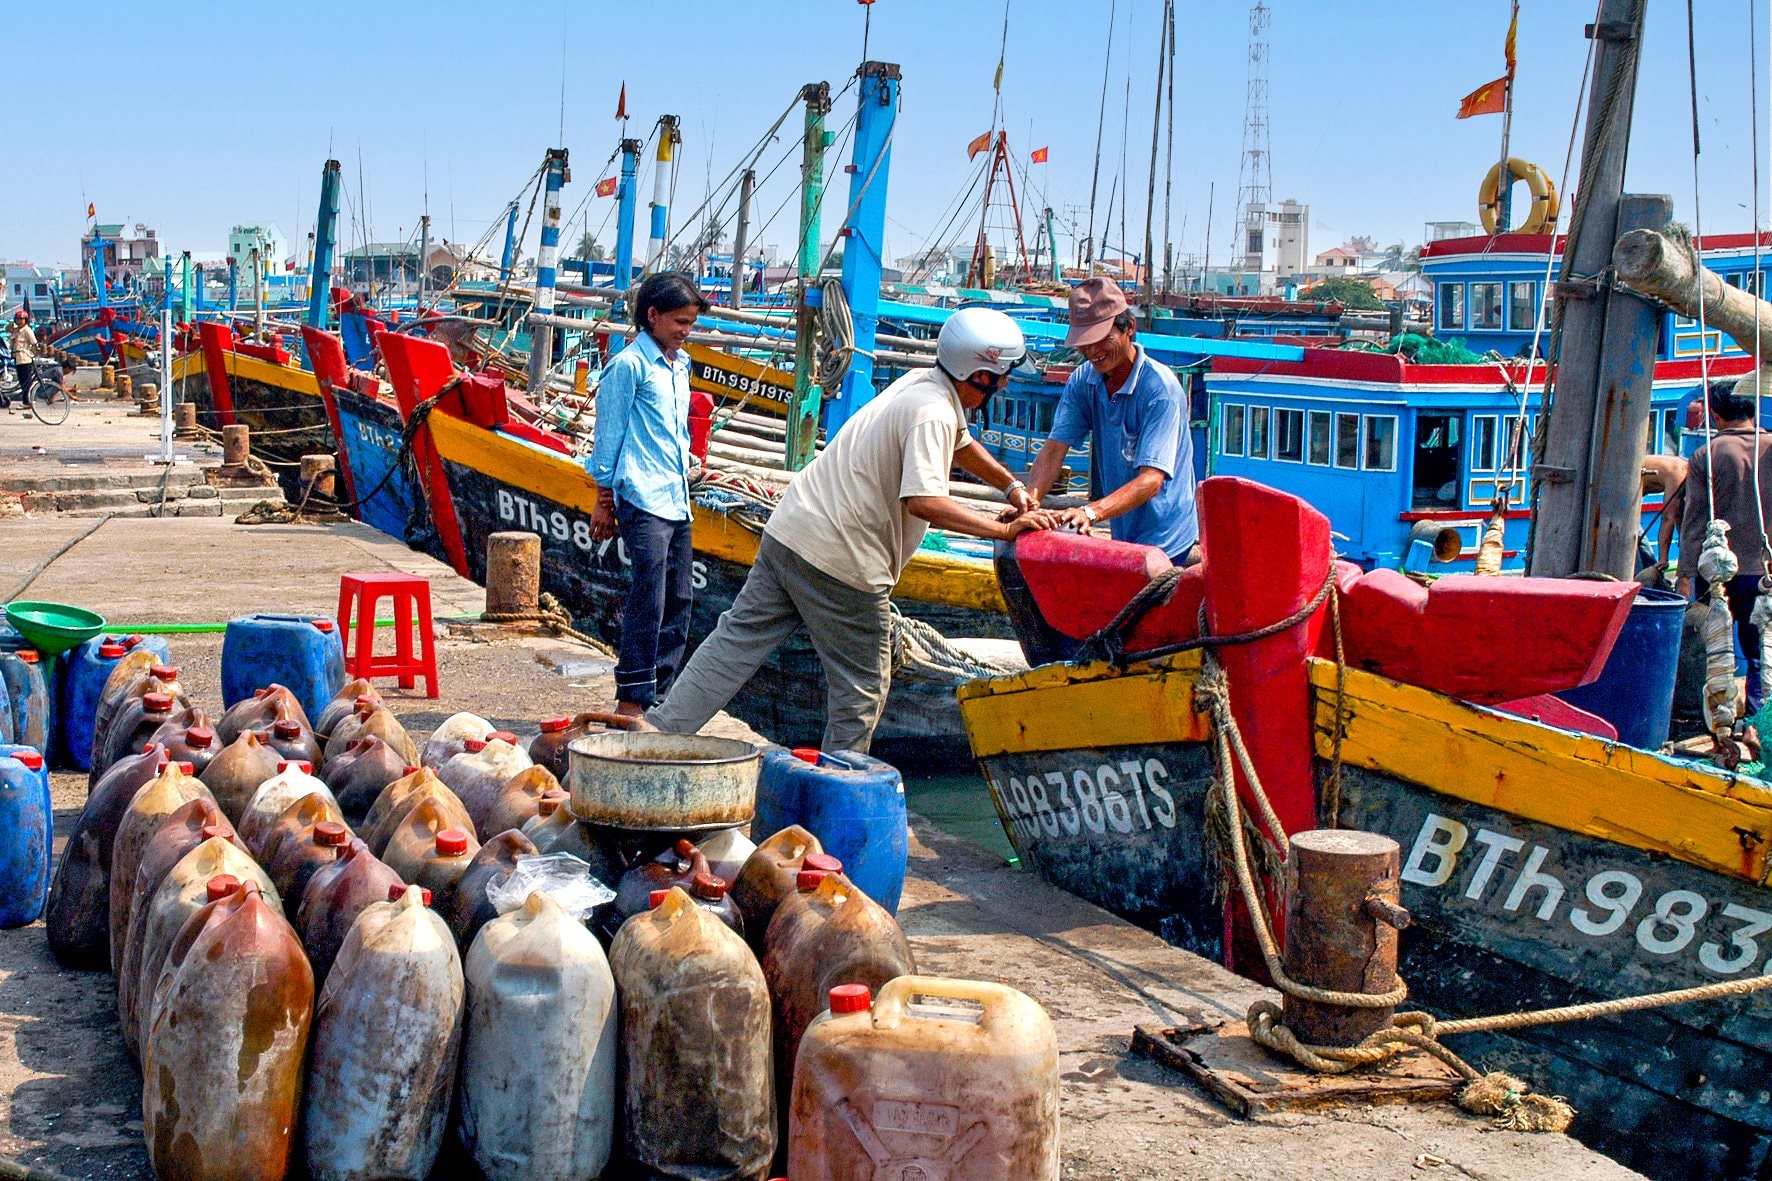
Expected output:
(808, 879)
(656, 897)
(220, 886)
(452, 842)
(823, 862)
(851, 998)
(330, 832)
(112, 651)
(806, 754)
(555, 725)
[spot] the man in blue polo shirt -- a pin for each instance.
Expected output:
(1135, 412)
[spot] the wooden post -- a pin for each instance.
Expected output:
(1562, 480)
(513, 573)
(1342, 917)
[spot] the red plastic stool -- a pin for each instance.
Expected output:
(411, 596)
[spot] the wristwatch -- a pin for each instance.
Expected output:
(1013, 485)
(1089, 511)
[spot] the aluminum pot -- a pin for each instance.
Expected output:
(663, 782)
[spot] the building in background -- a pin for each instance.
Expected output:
(268, 240)
(125, 253)
(30, 285)
(1276, 244)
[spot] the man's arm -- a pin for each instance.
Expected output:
(1046, 468)
(944, 512)
(1673, 507)
(1122, 500)
(615, 397)
(975, 460)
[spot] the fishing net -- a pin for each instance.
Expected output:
(1426, 350)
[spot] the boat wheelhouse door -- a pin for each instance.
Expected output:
(1437, 467)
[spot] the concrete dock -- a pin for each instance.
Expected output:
(70, 1095)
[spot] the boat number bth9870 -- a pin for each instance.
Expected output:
(560, 526)
(1475, 865)
(1120, 796)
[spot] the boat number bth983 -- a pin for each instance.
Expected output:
(560, 526)
(1121, 796)
(1474, 865)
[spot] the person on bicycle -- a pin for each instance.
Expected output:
(24, 350)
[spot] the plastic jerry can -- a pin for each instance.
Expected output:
(112, 738)
(549, 747)
(6, 717)
(852, 802)
(235, 773)
(79, 912)
(955, 1079)
(537, 1090)
(159, 798)
(372, 721)
(769, 875)
(89, 665)
(343, 704)
(292, 739)
(301, 652)
(422, 837)
(358, 774)
(443, 865)
(518, 801)
(333, 899)
(379, 1086)
(450, 739)
(467, 908)
(697, 1088)
(306, 839)
(27, 820)
(292, 781)
(551, 801)
(827, 933)
(29, 695)
(131, 729)
(481, 769)
(195, 744)
(708, 891)
(726, 850)
(135, 664)
(441, 810)
(676, 866)
(222, 1070)
(258, 710)
(393, 797)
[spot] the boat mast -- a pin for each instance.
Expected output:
(1587, 486)
(746, 185)
(1150, 191)
(1504, 189)
(668, 139)
(509, 254)
(325, 237)
(626, 198)
(424, 255)
(802, 432)
(541, 333)
(864, 234)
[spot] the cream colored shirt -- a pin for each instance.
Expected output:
(24, 344)
(845, 513)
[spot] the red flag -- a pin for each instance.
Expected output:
(1487, 99)
(91, 210)
(1513, 30)
(982, 143)
(606, 187)
(621, 104)
(1038, 156)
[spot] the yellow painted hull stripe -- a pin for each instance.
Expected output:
(1063, 707)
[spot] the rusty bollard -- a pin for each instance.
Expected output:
(513, 575)
(236, 445)
(184, 416)
(1342, 917)
(317, 476)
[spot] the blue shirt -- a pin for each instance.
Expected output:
(1143, 425)
(641, 447)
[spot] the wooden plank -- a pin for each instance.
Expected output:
(1700, 815)
(1061, 706)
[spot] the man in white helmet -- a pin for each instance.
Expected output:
(848, 525)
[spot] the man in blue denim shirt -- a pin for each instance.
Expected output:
(1136, 413)
(640, 460)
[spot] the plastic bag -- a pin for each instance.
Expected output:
(561, 876)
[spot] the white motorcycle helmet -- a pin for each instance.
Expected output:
(979, 338)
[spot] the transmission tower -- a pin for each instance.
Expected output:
(1255, 180)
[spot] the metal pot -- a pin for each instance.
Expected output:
(663, 782)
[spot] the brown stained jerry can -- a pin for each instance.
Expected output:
(387, 1030)
(709, 891)
(259, 711)
(768, 876)
(412, 843)
(293, 781)
(480, 770)
(79, 912)
(333, 899)
(193, 742)
(343, 705)
(222, 1070)
(955, 1079)
(163, 795)
(824, 934)
(550, 802)
(235, 774)
(132, 729)
(303, 841)
(292, 739)
(518, 801)
(190, 825)
(442, 867)
(676, 866)
(558, 824)
(548, 747)
(360, 772)
(450, 739)
(159, 917)
(726, 850)
(697, 1097)
(123, 675)
(445, 809)
(154, 678)
(393, 796)
(373, 721)
(467, 908)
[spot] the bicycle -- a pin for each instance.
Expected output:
(46, 399)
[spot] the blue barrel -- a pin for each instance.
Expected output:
(852, 803)
(6, 719)
(299, 652)
(86, 669)
(29, 694)
(1635, 691)
(27, 820)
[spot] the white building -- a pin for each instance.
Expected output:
(27, 283)
(267, 239)
(1276, 241)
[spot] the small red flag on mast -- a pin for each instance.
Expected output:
(1487, 99)
(606, 187)
(91, 211)
(621, 104)
(1038, 156)
(981, 144)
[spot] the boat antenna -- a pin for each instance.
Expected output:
(1125, 128)
(1100, 121)
(562, 140)
(1169, 157)
(1710, 483)
(867, 24)
(1150, 192)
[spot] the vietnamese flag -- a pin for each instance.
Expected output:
(1487, 99)
(606, 187)
(1038, 156)
(982, 143)
(91, 210)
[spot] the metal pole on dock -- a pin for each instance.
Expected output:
(802, 432)
(864, 233)
(1052, 244)
(185, 304)
(325, 237)
(626, 198)
(256, 258)
(199, 289)
(510, 251)
(740, 239)
(541, 336)
(1582, 504)
(166, 384)
(424, 256)
(233, 283)
(668, 139)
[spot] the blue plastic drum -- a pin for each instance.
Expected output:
(22, 673)
(852, 803)
(299, 652)
(86, 669)
(1635, 691)
(26, 822)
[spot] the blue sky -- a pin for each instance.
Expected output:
(201, 114)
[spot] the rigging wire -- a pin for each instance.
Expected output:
(1698, 251)
(1753, 96)
(1100, 122)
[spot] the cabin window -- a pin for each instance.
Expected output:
(1289, 435)
(1381, 443)
(1258, 441)
(1452, 306)
(1319, 438)
(1436, 462)
(1664, 432)
(1347, 441)
(1514, 458)
(1485, 305)
(1484, 435)
(1044, 410)
(1232, 432)
(1522, 309)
